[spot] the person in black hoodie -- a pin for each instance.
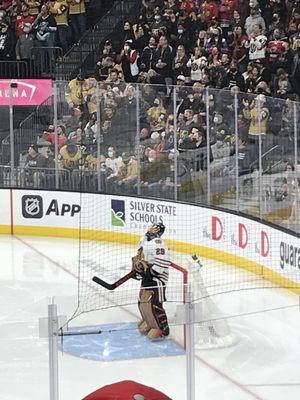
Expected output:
(182, 38)
(106, 60)
(233, 77)
(7, 43)
(125, 35)
(45, 27)
(141, 37)
(194, 140)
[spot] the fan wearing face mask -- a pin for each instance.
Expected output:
(113, 164)
(126, 178)
(129, 62)
(183, 38)
(153, 171)
(158, 22)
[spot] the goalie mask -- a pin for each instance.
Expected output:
(156, 230)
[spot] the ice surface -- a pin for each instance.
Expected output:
(264, 364)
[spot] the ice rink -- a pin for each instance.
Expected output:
(264, 364)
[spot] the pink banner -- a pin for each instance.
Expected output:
(25, 92)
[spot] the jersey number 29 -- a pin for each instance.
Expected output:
(160, 251)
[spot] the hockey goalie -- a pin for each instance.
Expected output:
(151, 265)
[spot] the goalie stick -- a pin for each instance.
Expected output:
(113, 286)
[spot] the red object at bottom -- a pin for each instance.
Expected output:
(125, 390)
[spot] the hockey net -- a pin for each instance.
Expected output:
(111, 261)
(211, 327)
(102, 255)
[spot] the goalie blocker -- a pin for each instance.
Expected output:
(152, 268)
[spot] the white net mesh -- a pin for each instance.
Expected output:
(110, 261)
(102, 255)
(110, 229)
(212, 330)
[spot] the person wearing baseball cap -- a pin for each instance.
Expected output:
(180, 80)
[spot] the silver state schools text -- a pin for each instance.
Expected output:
(149, 207)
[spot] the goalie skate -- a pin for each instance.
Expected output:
(155, 335)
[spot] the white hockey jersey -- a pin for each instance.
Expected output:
(156, 253)
(257, 47)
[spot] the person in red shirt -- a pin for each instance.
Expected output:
(22, 19)
(5, 5)
(49, 136)
(188, 6)
(225, 15)
(128, 60)
(210, 9)
(239, 53)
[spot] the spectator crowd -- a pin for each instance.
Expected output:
(29, 24)
(198, 64)
(220, 43)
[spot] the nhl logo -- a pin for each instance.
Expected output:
(32, 206)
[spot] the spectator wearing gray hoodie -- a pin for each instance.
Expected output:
(254, 19)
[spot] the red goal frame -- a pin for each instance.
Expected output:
(185, 282)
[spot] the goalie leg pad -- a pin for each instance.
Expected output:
(145, 307)
(153, 312)
(161, 318)
(143, 327)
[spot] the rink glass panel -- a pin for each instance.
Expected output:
(250, 165)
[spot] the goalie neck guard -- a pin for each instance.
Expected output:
(156, 230)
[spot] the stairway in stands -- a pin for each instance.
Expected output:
(82, 57)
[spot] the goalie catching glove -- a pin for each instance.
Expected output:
(138, 264)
